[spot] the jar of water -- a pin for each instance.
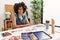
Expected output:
(47, 24)
(7, 15)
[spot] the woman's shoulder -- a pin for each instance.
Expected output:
(16, 15)
(24, 16)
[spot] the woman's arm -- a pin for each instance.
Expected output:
(13, 19)
(27, 24)
(14, 22)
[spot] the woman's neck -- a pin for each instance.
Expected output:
(20, 14)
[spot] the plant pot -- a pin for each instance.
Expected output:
(36, 21)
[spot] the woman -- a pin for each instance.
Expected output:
(20, 20)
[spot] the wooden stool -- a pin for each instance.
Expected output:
(7, 24)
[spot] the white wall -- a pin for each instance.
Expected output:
(2, 10)
(52, 10)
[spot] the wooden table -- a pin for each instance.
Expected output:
(34, 28)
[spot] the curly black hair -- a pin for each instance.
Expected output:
(17, 5)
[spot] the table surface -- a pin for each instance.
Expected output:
(33, 28)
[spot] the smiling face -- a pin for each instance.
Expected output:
(20, 10)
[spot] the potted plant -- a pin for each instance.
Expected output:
(36, 10)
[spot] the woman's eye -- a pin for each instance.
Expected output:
(20, 9)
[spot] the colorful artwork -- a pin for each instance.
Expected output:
(6, 34)
(37, 35)
(16, 38)
(32, 36)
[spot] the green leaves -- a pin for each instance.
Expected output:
(37, 9)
